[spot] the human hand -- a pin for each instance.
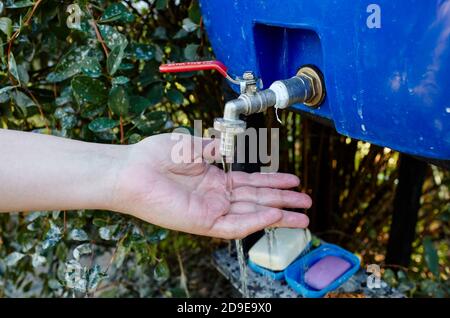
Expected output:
(192, 197)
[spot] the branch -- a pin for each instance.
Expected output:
(99, 37)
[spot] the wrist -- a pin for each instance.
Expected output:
(110, 164)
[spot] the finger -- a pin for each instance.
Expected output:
(270, 180)
(234, 226)
(289, 219)
(272, 197)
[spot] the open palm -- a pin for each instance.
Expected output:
(192, 196)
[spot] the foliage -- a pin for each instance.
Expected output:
(97, 81)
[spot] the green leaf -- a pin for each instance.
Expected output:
(114, 59)
(24, 78)
(194, 12)
(75, 276)
(160, 33)
(34, 215)
(78, 235)
(126, 66)
(189, 26)
(134, 139)
(145, 52)
(182, 33)
(118, 101)
(112, 37)
(102, 124)
(157, 236)
(6, 26)
(151, 123)
(52, 237)
(161, 4)
(80, 59)
(99, 222)
(175, 96)
(20, 4)
(117, 12)
(37, 260)
(4, 96)
(91, 111)
(94, 277)
(88, 90)
(13, 67)
(161, 272)
(91, 66)
(120, 80)
(107, 232)
(389, 277)
(139, 104)
(22, 101)
(155, 93)
(121, 254)
(13, 258)
(54, 284)
(190, 52)
(431, 256)
(80, 250)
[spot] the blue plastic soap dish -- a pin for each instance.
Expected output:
(266, 272)
(295, 272)
(279, 275)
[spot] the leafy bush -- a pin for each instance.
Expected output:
(97, 81)
(100, 82)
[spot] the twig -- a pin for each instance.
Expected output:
(41, 112)
(99, 37)
(27, 21)
(183, 279)
(121, 130)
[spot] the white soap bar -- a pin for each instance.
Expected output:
(287, 246)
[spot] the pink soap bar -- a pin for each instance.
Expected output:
(326, 271)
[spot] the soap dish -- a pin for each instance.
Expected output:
(295, 273)
(266, 272)
(276, 275)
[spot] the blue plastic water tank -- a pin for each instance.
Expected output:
(386, 66)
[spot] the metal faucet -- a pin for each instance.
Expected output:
(306, 87)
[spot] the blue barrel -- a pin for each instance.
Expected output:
(386, 65)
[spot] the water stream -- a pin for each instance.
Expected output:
(270, 233)
(271, 246)
(227, 168)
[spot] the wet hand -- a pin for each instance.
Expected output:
(192, 196)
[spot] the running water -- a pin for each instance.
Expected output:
(242, 268)
(270, 233)
(271, 245)
(227, 168)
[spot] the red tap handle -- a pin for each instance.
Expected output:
(194, 66)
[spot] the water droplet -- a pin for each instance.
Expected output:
(363, 127)
(360, 113)
(447, 110)
(354, 97)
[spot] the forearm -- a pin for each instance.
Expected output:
(39, 172)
